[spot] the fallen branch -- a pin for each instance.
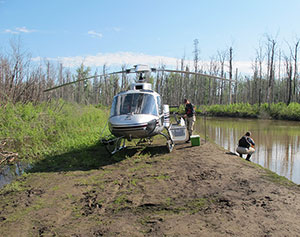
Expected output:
(7, 156)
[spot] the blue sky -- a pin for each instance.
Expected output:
(120, 31)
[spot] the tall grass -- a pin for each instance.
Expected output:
(240, 110)
(50, 128)
(283, 111)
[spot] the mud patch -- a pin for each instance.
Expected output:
(209, 175)
(90, 203)
(194, 191)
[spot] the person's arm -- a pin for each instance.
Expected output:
(251, 141)
(185, 115)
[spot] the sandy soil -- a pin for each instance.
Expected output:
(194, 191)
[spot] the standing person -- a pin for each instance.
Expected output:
(190, 117)
(246, 146)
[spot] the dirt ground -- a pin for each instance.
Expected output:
(193, 191)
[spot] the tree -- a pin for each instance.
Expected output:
(83, 87)
(295, 69)
(222, 56)
(271, 44)
(196, 61)
(289, 71)
(230, 74)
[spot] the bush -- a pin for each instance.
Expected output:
(291, 112)
(233, 110)
(275, 110)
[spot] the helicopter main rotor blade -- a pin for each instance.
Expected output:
(83, 79)
(193, 73)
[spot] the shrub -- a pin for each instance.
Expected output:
(291, 112)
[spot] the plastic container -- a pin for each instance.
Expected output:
(195, 140)
(178, 133)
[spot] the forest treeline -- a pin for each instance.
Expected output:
(274, 79)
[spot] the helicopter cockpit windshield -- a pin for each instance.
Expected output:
(133, 103)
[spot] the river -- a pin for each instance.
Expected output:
(277, 142)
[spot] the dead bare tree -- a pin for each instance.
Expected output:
(222, 57)
(196, 61)
(260, 60)
(181, 83)
(271, 47)
(230, 74)
(289, 71)
(295, 70)
(236, 85)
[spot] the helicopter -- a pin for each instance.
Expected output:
(139, 112)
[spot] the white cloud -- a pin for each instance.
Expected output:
(244, 67)
(19, 30)
(95, 34)
(130, 59)
(24, 29)
(11, 31)
(116, 29)
(115, 59)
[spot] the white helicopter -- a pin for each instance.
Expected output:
(139, 112)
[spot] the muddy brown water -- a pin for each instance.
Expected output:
(277, 142)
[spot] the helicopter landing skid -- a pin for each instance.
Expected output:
(114, 145)
(170, 142)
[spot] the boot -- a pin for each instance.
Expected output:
(248, 157)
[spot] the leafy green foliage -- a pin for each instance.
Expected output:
(291, 112)
(48, 128)
(233, 110)
(180, 109)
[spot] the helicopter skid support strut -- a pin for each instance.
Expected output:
(114, 145)
(170, 143)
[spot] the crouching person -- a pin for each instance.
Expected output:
(246, 146)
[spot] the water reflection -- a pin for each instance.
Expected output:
(9, 172)
(277, 142)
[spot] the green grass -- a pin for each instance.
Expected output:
(50, 128)
(278, 179)
(198, 204)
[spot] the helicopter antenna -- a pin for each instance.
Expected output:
(141, 77)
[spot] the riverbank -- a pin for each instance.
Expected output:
(194, 191)
(279, 111)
